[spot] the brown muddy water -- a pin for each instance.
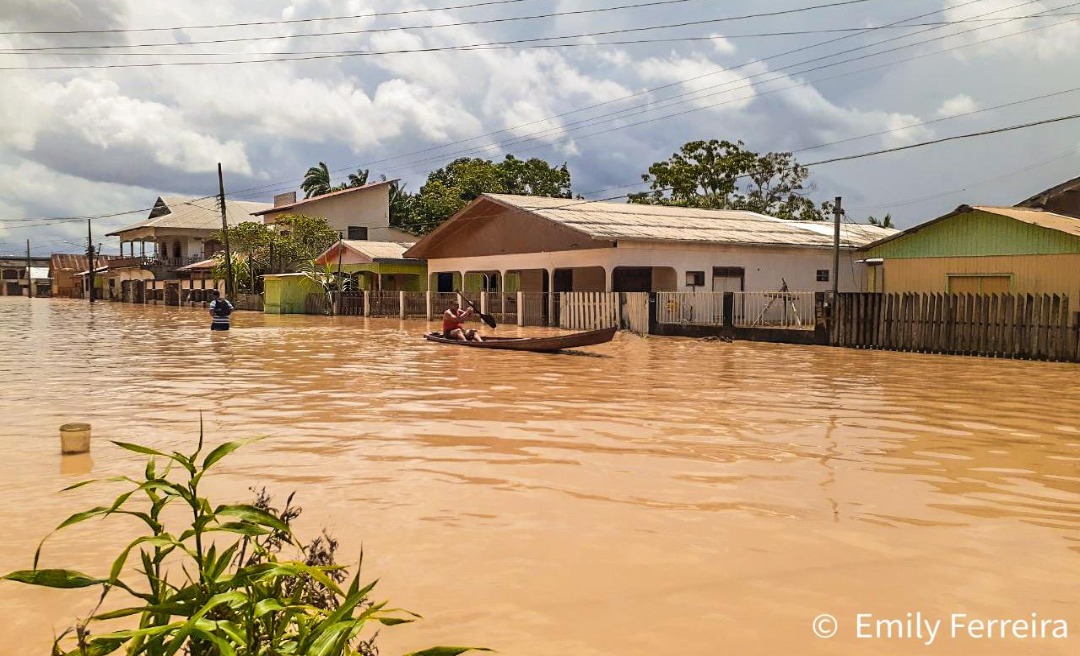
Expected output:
(649, 497)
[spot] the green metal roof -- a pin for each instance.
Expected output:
(983, 231)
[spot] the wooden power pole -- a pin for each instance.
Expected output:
(225, 235)
(29, 273)
(837, 213)
(90, 259)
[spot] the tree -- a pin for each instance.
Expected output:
(884, 223)
(282, 247)
(401, 206)
(451, 188)
(316, 181)
(358, 179)
(724, 175)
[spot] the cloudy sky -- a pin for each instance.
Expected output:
(87, 130)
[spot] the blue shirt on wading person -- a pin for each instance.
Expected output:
(220, 309)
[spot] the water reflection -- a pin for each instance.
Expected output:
(726, 492)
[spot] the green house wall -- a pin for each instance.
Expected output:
(287, 294)
(977, 234)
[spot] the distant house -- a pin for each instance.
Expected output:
(989, 250)
(179, 232)
(66, 272)
(1062, 199)
(15, 279)
(358, 213)
(378, 265)
(372, 265)
(527, 243)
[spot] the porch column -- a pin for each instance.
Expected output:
(552, 319)
(609, 275)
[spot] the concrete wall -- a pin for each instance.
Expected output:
(765, 268)
(369, 208)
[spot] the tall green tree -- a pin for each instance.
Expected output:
(724, 175)
(452, 187)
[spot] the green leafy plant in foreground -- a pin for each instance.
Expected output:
(218, 587)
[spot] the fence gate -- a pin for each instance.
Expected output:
(635, 311)
(588, 310)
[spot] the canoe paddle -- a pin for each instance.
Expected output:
(486, 318)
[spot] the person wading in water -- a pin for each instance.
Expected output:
(452, 324)
(220, 309)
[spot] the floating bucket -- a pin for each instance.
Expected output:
(74, 438)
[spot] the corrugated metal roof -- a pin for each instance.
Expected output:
(200, 265)
(195, 214)
(1041, 218)
(372, 250)
(340, 192)
(631, 222)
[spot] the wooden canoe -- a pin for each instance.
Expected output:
(541, 344)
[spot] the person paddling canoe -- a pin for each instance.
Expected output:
(452, 321)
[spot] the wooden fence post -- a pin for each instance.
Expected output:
(521, 308)
(367, 303)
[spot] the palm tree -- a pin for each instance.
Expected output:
(358, 179)
(316, 181)
(884, 223)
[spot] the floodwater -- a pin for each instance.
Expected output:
(649, 497)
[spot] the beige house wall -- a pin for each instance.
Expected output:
(765, 267)
(1028, 274)
(369, 208)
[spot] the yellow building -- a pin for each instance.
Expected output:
(987, 250)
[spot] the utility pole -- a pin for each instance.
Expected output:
(837, 213)
(90, 258)
(225, 234)
(29, 273)
(337, 280)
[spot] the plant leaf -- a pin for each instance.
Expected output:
(138, 448)
(225, 449)
(249, 513)
(53, 578)
(446, 651)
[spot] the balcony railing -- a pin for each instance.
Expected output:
(151, 262)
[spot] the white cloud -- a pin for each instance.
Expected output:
(722, 45)
(957, 105)
(1042, 39)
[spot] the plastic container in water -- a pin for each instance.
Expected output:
(75, 438)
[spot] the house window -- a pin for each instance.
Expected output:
(695, 278)
(358, 233)
(823, 275)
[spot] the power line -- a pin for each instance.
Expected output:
(256, 23)
(958, 137)
(467, 47)
(644, 92)
(27, 52)
(693, 95)
(378, 30)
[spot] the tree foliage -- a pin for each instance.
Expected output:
(282, 247)
(317, 181)
(885, 222)
(724, 175)
(452, 187)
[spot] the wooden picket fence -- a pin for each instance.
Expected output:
(1025, 326)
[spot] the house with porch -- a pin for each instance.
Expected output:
(178, 232)
(534, 244)
(357, 213)
(373, 266)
